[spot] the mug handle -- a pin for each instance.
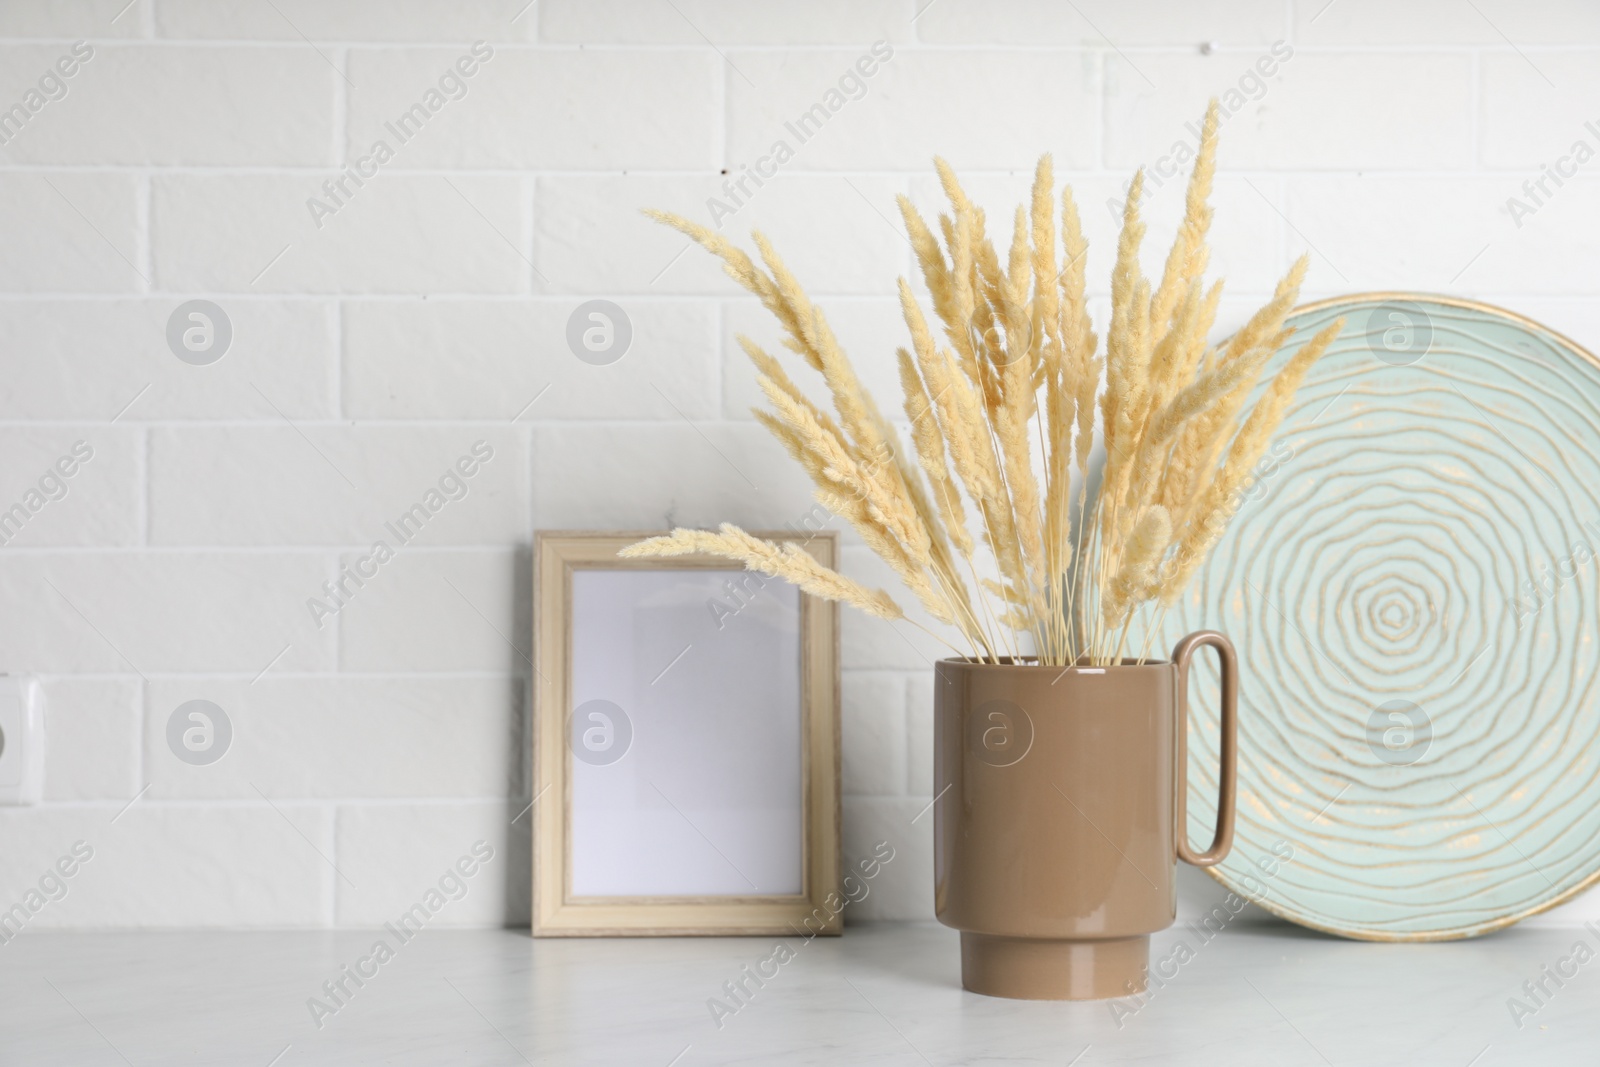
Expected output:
(1222, 842)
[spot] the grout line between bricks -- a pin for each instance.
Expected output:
(569, 299)
(1022, 171)
(263, 549)
(1185, 49)
(248, 803)
(330, 675)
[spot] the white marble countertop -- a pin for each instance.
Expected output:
(883, 994)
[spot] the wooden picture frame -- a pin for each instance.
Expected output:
(559, 558)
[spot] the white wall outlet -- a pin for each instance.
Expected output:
(21, 740)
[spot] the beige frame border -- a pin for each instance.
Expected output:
(1491, 926)
(556, 912)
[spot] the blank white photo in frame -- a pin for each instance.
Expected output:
(686, 734)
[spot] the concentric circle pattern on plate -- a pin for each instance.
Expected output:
(1411, 584)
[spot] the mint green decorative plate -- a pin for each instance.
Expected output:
(1411, 583)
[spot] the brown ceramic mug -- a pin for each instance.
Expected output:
(1059, 817)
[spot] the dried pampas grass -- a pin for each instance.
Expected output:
(789, 562)
(1013, 369)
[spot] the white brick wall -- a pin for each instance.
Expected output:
(374, 345)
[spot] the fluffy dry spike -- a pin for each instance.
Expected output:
(788, 562)
(1020, 262)
(799, 316)
(1269, 410)
(1187, 259)
(1173, 348)
(853, 403)
(930, 452)
(1076, 335)
(832, 464)
(1223, 495)
(1190, 359)
(867, 478)
(769, 367)
(1057, 372)
(1026, 517)
(1046, 298)
(960, 238)
(1202, 440)
(991, 318)
(1124, 361)
(930, 258)
(1161, 464)
(1151, 536)
(1192, 470)
(868, 434)
(1018, 403)
(960, 419)
(1201, 394)
(792, 443)
(859, 492)
(1267, 321)
(908, 485)
(740, 267)
(866, 490)
(1022, 341)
